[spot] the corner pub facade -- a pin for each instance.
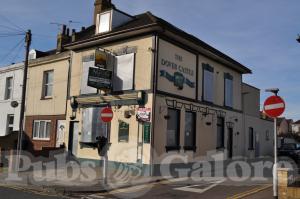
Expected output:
(171, 93)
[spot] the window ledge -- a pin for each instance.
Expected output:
(207, 102)
(229, 107)
(46, 98)
(220, 148)
(190, 148)
(41, 139)
(173, 148)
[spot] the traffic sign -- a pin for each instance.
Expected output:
(106, 115)
(274, 106)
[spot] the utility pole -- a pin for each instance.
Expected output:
(28, 38)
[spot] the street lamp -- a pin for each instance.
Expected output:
(298, 39)
(273, 90)
(275, 191)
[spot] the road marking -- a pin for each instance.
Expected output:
(197, 190)
(94, 196)
(249, 192)
(36, 192)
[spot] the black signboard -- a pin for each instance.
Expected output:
(99, 78)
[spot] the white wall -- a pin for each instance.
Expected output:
(264, 146)
(15, 71)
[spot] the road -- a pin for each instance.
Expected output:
(187, 189)
(18, 193)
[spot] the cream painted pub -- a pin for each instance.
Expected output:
(170, 93)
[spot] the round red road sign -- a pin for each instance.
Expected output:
(274, 106)
(106, 115)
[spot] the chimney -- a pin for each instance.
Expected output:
(62, 39)
(100, 6)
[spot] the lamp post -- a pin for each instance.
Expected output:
(275, 182)
(298, 39)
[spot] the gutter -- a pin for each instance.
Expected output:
(100, 39)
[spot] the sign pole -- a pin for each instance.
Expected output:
(275, 181)
(105, 159)
(106, 117)
(274, 106)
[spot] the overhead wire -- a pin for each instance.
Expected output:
(10, 28)
(17, 54)
(11, 23)
(10, 35)
(2, 59)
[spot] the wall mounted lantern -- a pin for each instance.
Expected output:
(230, 125)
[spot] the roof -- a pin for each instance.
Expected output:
(248, 85)
(11, 67)
(297, 122)
(147, 19)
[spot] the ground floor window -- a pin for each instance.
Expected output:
(251, 138)
(41, 129)
(220, 132)
(10, 124)
(173, 126)
(123, 131)
(190, 131)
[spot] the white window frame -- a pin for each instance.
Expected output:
(8, 125)
(106, 29)
(124, 71)
(39, 133)
(8, 89)
(47, 84)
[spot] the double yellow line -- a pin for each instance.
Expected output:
(36, 192)
(250, 192)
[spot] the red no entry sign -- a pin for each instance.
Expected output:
(274, 106)
(106, 115)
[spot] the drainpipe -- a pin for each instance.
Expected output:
(155, 66)
(244, 122)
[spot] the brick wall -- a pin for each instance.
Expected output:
(38, 145)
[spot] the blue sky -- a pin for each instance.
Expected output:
(260, 34)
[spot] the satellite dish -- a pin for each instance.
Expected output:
(14, 104)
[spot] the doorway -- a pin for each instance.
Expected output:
(73, 138)
(230, 142)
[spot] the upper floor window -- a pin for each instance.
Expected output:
(124, 73)
(9, 124)
(208, 83)
(41, 130)
(8, 88)
(104, 22)
(48, 84)
(228, 92)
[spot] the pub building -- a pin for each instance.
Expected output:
(170, 93)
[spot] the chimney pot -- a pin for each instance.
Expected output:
(64, 27)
